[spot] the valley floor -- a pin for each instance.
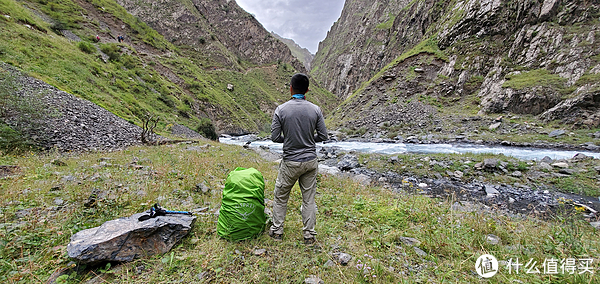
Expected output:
(400, 237)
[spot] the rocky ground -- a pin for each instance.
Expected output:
(473, 193)
(69, 123)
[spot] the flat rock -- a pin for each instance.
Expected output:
(561, 165)
(126, 239)
(545, 166)
(420, 252)
(324, 169)
(362, 179)
(259, 252)
(595, 225)
(567, 171)
(490, 190)
(556, 133)
(495, 126)
(313, 279)
(409, 241)
(492, 239)
(517, 174)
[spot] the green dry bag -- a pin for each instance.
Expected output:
(242, 213)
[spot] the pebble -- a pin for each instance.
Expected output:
(313, 279)
(492, 239)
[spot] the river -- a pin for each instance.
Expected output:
(401, 148)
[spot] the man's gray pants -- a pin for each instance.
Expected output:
(306, 175)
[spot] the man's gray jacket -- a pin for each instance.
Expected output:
(294, 124)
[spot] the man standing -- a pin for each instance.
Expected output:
(294, 124)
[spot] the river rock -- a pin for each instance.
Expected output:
(517, 174)
(561, 165)
(597, 169)
(324, 169)
(567, 171)
(495, 126)
(545, 166)
(490, 190)
(581, 157)
(490, 164)
(556, 133)
(348, 162)
(126, 239)
(547, 160)
(362, 179)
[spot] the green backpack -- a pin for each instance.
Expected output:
(242, 213)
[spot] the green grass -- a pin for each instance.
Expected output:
(387, 24)
(131, 84)
(538, 77)
(365, 222)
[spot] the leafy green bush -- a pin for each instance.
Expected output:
(12, 141)
(86, 47)
(112, 50)
(207, 129)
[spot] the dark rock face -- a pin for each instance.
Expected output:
(126, 239)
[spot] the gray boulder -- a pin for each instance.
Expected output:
(556, 133)
(126, 239)
(490, 164)
(342, 258)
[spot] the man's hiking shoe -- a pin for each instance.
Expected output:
(310, 241)
(276, 237)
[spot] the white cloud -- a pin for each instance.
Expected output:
(304, 21)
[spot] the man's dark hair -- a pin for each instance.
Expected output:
(299, 83)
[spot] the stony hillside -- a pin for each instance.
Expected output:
(219, 30)
(424, 63)
(298, 51)
(233, 76)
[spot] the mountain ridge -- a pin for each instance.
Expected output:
(517, 58)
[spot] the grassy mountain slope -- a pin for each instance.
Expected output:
(299, 52)
(144, 74)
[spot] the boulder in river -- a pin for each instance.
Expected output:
(126, 239)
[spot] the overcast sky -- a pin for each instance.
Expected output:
(304, 21)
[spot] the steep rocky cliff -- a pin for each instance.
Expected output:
(463, 58)
(218, 29)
